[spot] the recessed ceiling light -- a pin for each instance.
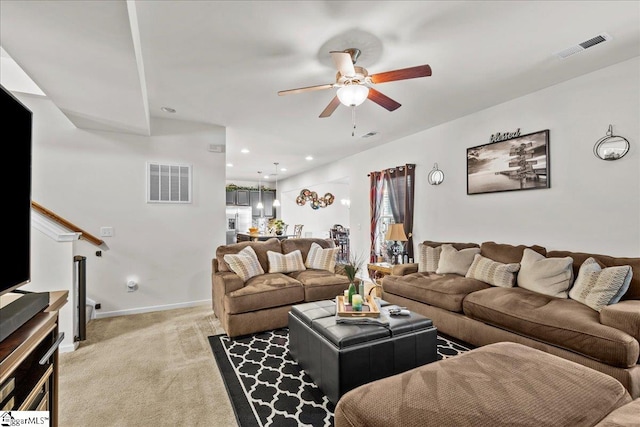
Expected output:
(266, 177)
(283, 169)
(308, 158)
(244, 151)
(168, 110)
(229, 165)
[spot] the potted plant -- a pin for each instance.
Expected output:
(279, 226)
(351, 269)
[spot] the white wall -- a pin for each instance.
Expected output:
(592, 205)
(319, 221)
(96, 179)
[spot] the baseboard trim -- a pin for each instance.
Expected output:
(150, 309)
(68, 348)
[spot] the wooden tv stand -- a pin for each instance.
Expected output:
(29, 363)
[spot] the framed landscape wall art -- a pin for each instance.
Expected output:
(520, 163)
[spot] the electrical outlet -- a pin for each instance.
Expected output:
(106, 231)
(98, 306)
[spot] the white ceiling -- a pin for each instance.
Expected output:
(112, 65)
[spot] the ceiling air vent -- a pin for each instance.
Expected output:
(600, 38)
(369, 135)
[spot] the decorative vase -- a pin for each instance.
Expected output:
(352, 291)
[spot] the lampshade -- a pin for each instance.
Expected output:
(396, 232)
(353, 95)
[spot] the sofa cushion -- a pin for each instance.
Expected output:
(493, 272)
(260, 248)
(455, 261)
(606, 261)
(303, 245)
(264, 291)
(598, 287)
(505, 253)
(320, 258)
(446, 291)
(428, 258)
(561, 322)
(320, 284)
(501, 384)
(245, 263)
(549, 276)
(285, 263)
(456, 245)
(625, 416)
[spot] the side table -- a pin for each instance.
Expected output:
(377, 270)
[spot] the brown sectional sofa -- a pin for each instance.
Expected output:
(481, 314)
(263, 302)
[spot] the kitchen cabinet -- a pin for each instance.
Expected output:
(267, 200)
(243, 198)
(231, 197)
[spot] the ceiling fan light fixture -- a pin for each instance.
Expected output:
(353, 95)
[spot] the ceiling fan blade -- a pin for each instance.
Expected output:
(383, 100)
(344, 64)
(403, 74)
(305, 89)
(330, 108)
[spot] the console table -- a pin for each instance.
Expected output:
(29, 362)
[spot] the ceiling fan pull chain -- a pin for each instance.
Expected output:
(353, 120)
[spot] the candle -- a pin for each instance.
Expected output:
(346, 296)
(356, 299)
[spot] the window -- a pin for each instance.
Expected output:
(383, 248)
(168, 183)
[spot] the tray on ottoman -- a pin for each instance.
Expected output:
(340, 357)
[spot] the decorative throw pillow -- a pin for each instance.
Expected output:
(285, 263)
(598, 287)
(548, 276)
(455, 261)
(428, 258)
(245, 263)
(321, 259)
(493, 272)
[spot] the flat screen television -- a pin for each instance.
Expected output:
(16, 263)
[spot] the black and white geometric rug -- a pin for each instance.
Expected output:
(267, 388)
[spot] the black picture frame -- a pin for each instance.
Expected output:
(520, 163)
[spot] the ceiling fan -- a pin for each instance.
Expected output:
(354, 83)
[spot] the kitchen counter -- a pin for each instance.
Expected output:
(247, 237)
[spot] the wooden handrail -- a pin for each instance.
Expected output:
(55, 217)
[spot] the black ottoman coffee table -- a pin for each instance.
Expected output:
(341, 357)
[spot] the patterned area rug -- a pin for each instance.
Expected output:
(268, 388)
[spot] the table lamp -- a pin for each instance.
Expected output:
(396, 233)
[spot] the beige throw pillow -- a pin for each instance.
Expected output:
(493, 272)
(598, 287)
(548, 276)
(321, 259)
(428, 258)
(455, 261)
(285, 263)
(245, 263)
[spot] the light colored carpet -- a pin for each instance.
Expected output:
(152, 369)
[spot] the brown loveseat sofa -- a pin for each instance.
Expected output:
(263, 302)
(481, 314)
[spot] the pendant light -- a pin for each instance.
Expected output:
(276, 202)
(260, 205)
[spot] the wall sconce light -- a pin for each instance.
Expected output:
(436, 176)
(611, 147)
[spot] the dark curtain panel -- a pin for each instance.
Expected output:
(400, 183)
(375, 203)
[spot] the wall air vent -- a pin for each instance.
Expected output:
(168, 183)
(369, 135)
(571, 50)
